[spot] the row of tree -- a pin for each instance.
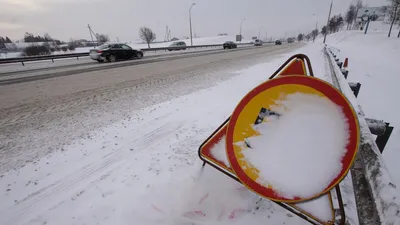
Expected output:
(29, 37)
(145, 33)
(394, 12)
(337, 22)
(307, 37)
(5, 40)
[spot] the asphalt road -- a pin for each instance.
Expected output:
(41, 116)
(79, 67)
(13, 68)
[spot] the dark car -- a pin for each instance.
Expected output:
(229, 45)
(114, 52)
(278, 42)
(178, 44)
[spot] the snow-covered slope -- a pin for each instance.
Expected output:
(196, 41)
(374, 62)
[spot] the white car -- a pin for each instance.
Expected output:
(258, 42)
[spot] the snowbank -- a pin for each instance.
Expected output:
(217, 40)
(374, 62)
(125, 172)
(386, 204)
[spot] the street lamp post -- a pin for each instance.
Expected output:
(240, 33)
(190, 22)
(259, 29)
(327, 23)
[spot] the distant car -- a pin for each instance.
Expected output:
(229, 45)
(290, 40)
(258, 42)
(114, 52)
(278, 42)
(178, 44)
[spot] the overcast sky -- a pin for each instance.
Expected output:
(65, 19)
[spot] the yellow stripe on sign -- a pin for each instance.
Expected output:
(244, 125)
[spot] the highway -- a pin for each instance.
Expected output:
(12, 68)
(64, 70)
(41, 115)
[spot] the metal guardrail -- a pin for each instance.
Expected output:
(376, 196)
(85, 54)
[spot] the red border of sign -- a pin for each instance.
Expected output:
(321, 86)
(206, 148)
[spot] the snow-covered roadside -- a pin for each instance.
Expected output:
(143, 166)
(373, 61)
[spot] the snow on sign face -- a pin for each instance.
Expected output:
(300, 148)
(292, 138)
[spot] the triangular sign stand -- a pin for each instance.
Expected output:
(295, 65)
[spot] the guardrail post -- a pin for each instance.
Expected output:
(377, 200)
(382, 140)
(345, 74)
(355, 87)
(23, 63)
(377, 127)
(52, 60)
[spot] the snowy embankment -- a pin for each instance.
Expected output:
(217, 40)
(374, 62)
(145, 168)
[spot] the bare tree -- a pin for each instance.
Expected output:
(314, 34)
(324, 30)
(308, 37)
(394, 14)
(147, 35)
(351, 16)
(335, 23)
(359, 4)
(102, 38)
(300, 37)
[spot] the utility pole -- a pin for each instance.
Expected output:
(240, 33)
(259, 29)
(398, 35)
(366, 27)
(91, 36)
(394, 19)
(190, 22)
(316, 28)
(327, 23)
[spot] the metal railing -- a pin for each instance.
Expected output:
(86, 54)
(376, 196)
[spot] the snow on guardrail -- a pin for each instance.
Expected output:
(371, 177)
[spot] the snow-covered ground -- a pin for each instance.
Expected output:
(374, 62)
(145, 169)
(196, 41)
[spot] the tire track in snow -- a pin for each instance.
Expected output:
(17, 114)
(86, 177)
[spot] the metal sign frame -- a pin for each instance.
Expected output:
(283, 70)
